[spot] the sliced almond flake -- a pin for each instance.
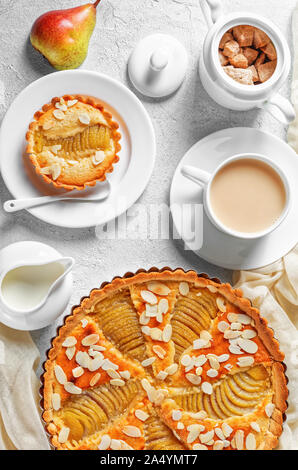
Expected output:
(77, 371)
(194, 431)
(226, 443)
(93, 353)
(162, 375)
(84, 323)
(248, 346)
(115, 444)
(212, 289)
(117, 382)
(200, 344)
(255, 427)
(250, 442)
(176, 415)
(90, 339)
(199, 294)
(199, 415)
(70, 352)
(208, 436)
(156, 334)
(184, 288)
(132, 431)
(228, 367)
(60, 375)
(146, 330)
(149, 297)
(223, 358)
(46, 170)
(221, 304)
(233, 317)
(239, 317)
(219, 434)
(223, 326)
(63, 435)
(72, 388)
(107, 364)
(94, 379)
(167, 333)
(172, 369)
(158, 288)
(214, 363)
(84, 118)
(245, 361)
(125, 374)
(47, 125)
(159, 317)
(151, 310)
(212, 373)
(205, 335)
(143, 319)
(159, 351)
(83, 359)
(226, 429)
(105, 442)
(113, 374)
(56, 171)
(72, 163)
(185, 360)
(96, 363)
(69, 342)
(125, 446)
(218, 445)
(199, 370)
(180, 425)
(234, 349)
(193, 379)
(98, 158)
(97, 347)
(200, 360)
(189, 368)
(146, 385)
(248, 334)
(56, 401)
(141, 415)
(269, 409)
(207, 388)
(148, 362)
(55, 148)
(236, 326)
(239, 439)
(160, 395)
(60, 106)
(163, 306)
(71, 103)
(230, 334)
(58, 114)
(199, 447)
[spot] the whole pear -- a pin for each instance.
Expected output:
(62, 36)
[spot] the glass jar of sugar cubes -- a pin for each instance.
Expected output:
(244, 62)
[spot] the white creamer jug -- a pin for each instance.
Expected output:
(228, 92)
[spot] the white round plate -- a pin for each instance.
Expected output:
(219, 248)
(131, 174)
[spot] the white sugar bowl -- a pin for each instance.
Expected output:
(225, 90)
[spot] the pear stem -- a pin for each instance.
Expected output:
(96, 3)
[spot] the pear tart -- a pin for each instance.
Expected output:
(73, 142)
(164, 360)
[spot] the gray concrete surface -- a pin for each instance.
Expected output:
(179, 122)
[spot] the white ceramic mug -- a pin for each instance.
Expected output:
(205, 179)
(226, 91)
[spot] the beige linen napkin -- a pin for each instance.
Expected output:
(274, 290)
(20, 424)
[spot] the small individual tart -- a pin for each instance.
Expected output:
(73, 142)
(165, 360)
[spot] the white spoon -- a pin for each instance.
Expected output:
(102, 192)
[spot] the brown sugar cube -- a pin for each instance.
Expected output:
(255, 75)
(260, 60)
(270, 51)
(250, 54)
(266, 70)
(260, 38)
(244, 35)
(239, 61)
(231, 48)
(226, 38)
(243, 76)
(223, 59)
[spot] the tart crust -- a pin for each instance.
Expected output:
(234, 296)
(75, 173)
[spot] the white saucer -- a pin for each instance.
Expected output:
(29, 252)
(131, 174)
(219, 248)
